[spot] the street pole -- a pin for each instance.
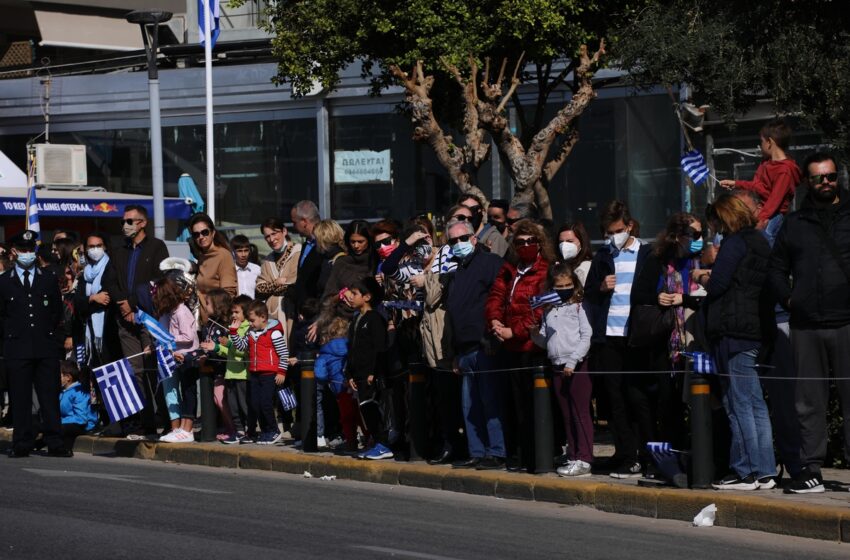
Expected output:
(208, 16)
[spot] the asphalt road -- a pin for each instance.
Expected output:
(99, 507)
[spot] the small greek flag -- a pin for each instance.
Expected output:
(660, 447)
(80, 354)
(703, 364)
(287, 398)
(165, 363)
(693, 164)
(32, 211)
(152, 325)
(549, 298)
(118, 387)
(215, 9)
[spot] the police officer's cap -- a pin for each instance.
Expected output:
(25, 240)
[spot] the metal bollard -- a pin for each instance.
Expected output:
(702, 444)
(208, 410)
(417, 412)
(543, 436)
(307, 403)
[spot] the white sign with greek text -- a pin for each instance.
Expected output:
(362, 166)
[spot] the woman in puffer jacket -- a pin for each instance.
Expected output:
(511, 320)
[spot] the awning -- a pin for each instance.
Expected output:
(84, 204)
(60, 29)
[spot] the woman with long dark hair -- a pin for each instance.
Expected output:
(360, 260)
(574, 249)
(216, 269)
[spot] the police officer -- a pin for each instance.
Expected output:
(30, 316)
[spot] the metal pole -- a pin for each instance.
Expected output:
(702, 445)
(308, 406)
(544, 440)
(210, 139)
(418, 411)
(156, 161)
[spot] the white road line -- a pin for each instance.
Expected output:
(403, 553)
(120, 478)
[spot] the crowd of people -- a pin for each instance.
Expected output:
(474, 308)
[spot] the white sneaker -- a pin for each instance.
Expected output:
(321, 442)
(171, 437)
(186, 437)
(575, 469)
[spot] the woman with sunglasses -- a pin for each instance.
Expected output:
(216, 269)
(359, 262)
(511, 320)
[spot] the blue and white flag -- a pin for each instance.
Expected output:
(32, 211)
(287, 398)
(693, 164)
(550, 298)
(152, 325)
(165, 363)
(216, 12)
(703, 363)
(80, 355)
(118, 388)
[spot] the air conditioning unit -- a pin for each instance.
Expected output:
(60, 164)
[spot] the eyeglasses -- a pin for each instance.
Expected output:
(131, 221)
(385, 241)
(459, 238)
(203, 233)
(460, 217)
(818, 179)
(525, 242)
(695, 234)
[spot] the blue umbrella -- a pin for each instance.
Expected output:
(186, 189)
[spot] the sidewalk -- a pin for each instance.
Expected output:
(818, 516)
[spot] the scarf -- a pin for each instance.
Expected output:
(93, 276)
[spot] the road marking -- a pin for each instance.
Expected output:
(404, 553)
(120, 478)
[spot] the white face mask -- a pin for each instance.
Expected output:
(618, 240)
(568, 250)
(95, 254)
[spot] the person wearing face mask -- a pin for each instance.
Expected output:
(608, 293)
(488, 235)
(30, 320)
(511, 320)
(497, 215)
(574, 249)
(92, 304)
(813, 247)
(136, 261)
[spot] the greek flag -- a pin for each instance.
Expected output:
(287, 398)
(660, 447)
(80, 354)
(32, 211)
(703, 364)
(550, 298)
(118, 387)
(215, 9)
(165, 364)
(152, 325)
(693, 164)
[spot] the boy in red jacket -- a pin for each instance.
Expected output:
(268, 358)
(776, 178)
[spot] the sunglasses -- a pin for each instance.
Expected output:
(695, 234)
(459, 238)
(387, 241)
(131, 221)
(203, 233)
(460, 217)
(525, 242)
(512, 221)
(818, 179)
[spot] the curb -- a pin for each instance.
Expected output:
(734, 511)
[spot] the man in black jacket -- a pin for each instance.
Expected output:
(813, 248)
(136, 263)
(305, 216)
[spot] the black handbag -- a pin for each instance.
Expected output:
(650, 325)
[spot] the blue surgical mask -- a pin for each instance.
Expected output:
(696, 246)
(462, 249)
(26, 260)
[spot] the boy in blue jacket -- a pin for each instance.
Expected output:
(78, 416)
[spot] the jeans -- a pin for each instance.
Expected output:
(262, 392)
(772, 228)
(482, 396)
(752, 436)
(171, 391)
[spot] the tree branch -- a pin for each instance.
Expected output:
(514, 84)
(554, 165)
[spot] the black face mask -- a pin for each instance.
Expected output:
(565, 294)
(500, 226)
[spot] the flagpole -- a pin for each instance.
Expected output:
(208, 17)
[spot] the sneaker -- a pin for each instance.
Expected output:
(336, 442)
(629, 469)
(767, 483)
(269, 438)
(734, 482)
(187, 437)
(230, 440)
(575, 469)
(806, 483)
(378, 452)
(562, 460)
(171, 437)
(247, 438)
(491, 464)
(321, 442)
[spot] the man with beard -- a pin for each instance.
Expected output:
(813, 249)
(486, 234)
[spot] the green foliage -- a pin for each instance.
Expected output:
(733, 53)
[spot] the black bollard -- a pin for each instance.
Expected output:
(307, 403)
(208, 410)
(543, 436)
(702, 445)
(417, 411)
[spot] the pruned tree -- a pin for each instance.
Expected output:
(436, 50)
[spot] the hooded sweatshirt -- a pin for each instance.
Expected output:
(774, 182)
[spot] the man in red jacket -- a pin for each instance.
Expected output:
(776, 178)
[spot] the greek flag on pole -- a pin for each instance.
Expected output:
(287, 398)
(165, 363)
(118, 388)
(703, 364)
(161, 335)
(661, 447)
(80, 354)
(550, 298)
(32, 211)
(693, 164)
(216, 12)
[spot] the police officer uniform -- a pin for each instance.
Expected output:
(30, 317)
